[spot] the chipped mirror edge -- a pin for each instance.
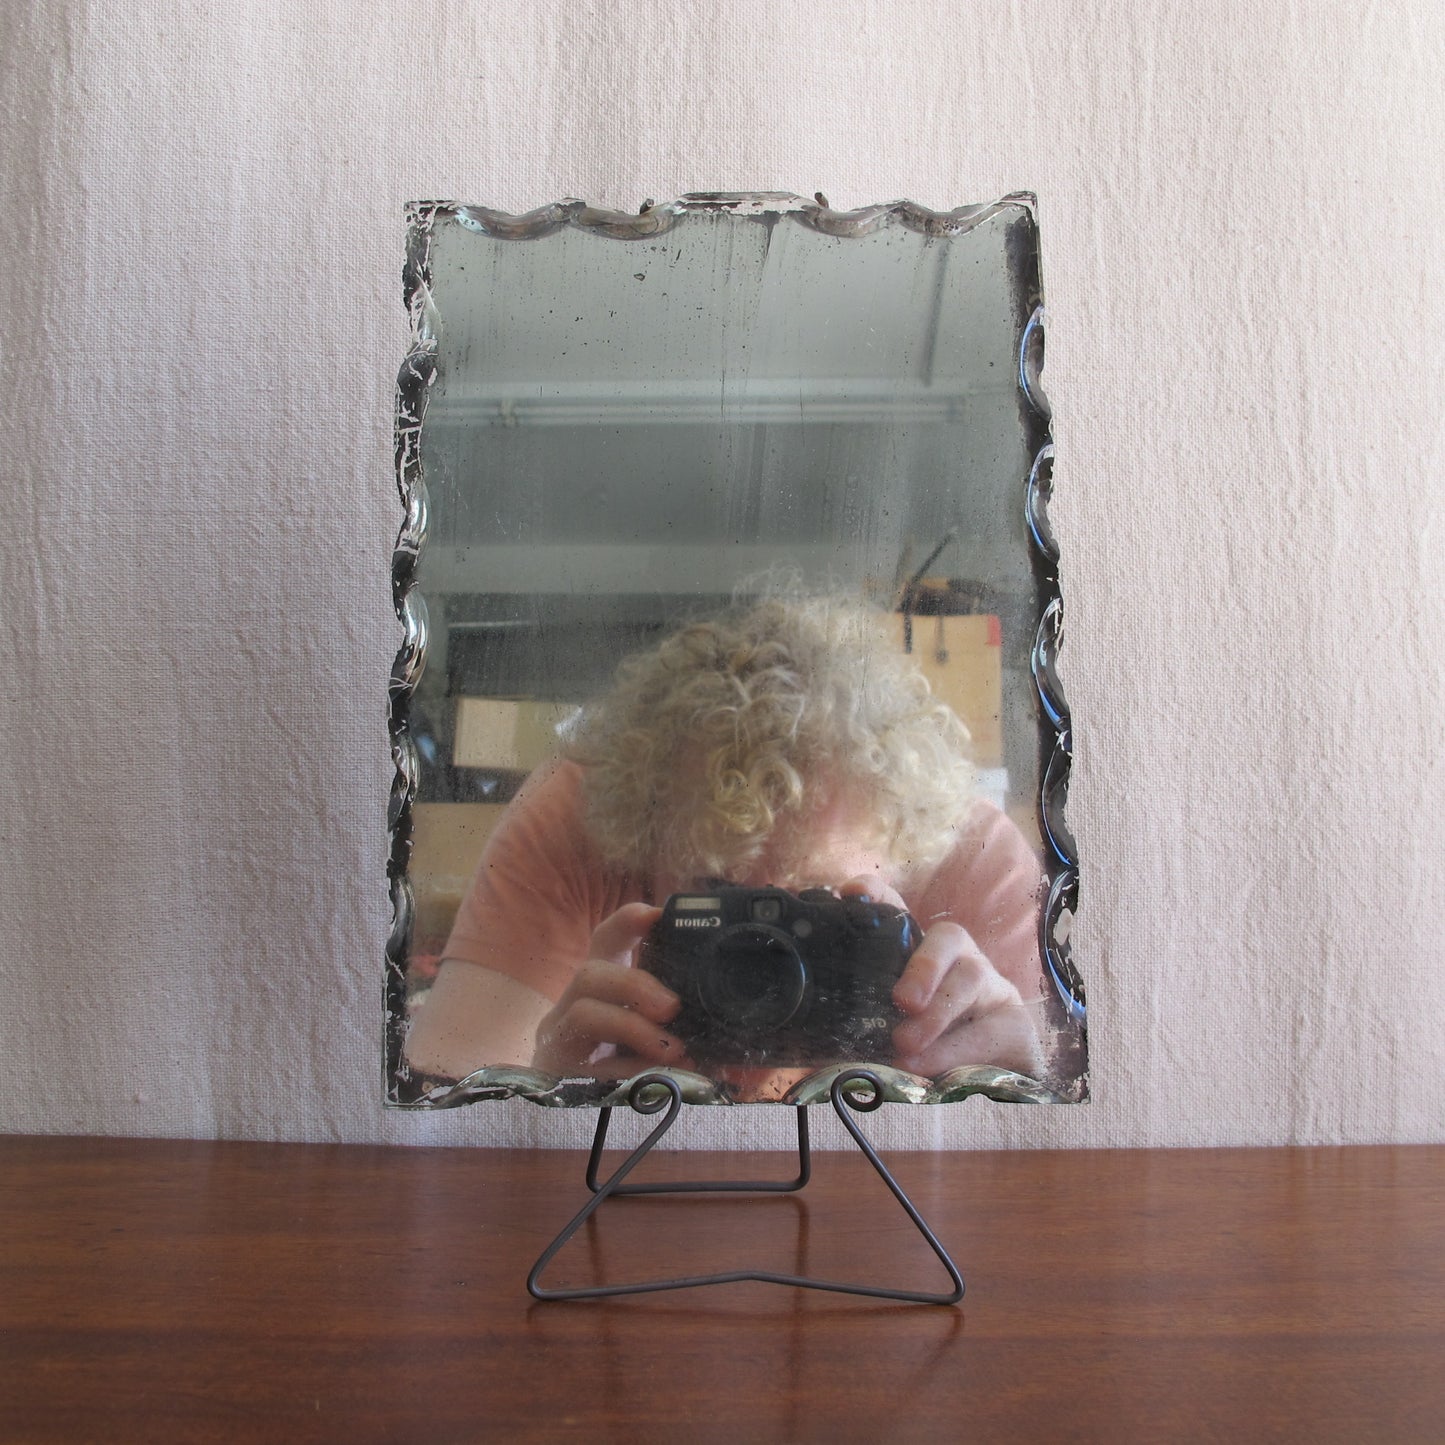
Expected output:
(418, 369)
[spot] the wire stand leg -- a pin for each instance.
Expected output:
(650, 1095)
(696, 1186)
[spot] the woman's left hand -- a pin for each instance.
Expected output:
(958, 1008)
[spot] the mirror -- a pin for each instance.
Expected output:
(727, 734)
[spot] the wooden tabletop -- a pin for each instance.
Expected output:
(165, 1290)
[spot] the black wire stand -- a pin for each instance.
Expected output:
(650, 1094)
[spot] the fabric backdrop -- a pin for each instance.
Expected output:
(1241, 206)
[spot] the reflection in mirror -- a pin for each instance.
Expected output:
(728, 739)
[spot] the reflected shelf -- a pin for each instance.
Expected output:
(753, 400)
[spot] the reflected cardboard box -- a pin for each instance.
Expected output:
(446, 846)
(510, 735)
(962, 658)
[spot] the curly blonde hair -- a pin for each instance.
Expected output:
(734, 731)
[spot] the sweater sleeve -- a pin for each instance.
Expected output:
(539, 890)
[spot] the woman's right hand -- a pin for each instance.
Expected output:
(609, 1002)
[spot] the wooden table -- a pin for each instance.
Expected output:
(161, 1290)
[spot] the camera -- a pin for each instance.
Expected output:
(768, 977)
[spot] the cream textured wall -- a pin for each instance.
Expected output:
(1241, 206)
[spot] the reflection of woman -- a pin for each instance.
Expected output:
(789, 744)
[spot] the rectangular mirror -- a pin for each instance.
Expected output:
(728, 741)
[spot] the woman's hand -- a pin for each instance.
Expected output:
(958, 1008)
(611, 1003)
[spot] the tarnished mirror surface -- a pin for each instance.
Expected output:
(727, 733)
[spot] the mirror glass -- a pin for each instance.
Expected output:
(726, 704)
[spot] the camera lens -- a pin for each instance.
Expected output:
(755, 979)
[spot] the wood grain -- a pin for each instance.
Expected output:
(227, 1291)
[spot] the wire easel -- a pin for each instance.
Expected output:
(650, 1094)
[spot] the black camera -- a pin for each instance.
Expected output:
(768, 977)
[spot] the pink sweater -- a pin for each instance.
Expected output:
(541, 888)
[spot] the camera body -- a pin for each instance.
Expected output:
(771, 978)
